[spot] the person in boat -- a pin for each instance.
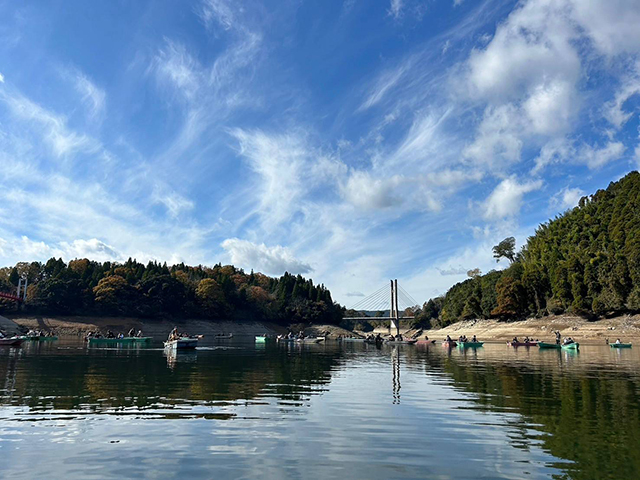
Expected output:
(139, 334)
(568, 341)
(426, 337)
(618, 342)
(131, 332)
(110, 334)
(173, 335)
(474, 339)
(515, 340)
(558, 337)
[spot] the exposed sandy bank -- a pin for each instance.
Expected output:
(626, 328)
(157, 328)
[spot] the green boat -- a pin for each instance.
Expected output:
(261, 339)
(118, 341)
(548, 345)
(620, 345)
(571, 346)
(470, 344)
(39, 339)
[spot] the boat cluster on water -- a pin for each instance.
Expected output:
(31, 336)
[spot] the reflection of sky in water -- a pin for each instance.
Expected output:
(350, 428)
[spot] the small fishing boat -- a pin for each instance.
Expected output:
(11, 342)
(309, 340)
(571, 346)
(182, 343)
(222, 336)
(115, 341)
(449, 343)
(411, 341)
(470, 344)
(261, 339)
(620, 345)
(548, 345)
(522, 344)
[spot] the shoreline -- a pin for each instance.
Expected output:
(159, 328)
(626, 327)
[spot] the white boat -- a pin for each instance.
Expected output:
(182, 343)
(12, 341)
(310, 340)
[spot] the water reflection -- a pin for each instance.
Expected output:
(321, 411)
(395, 362)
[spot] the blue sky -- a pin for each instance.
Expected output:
(351, 141)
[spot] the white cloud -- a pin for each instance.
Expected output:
(384, 84)
(369, 193)
(551, 107)
(532, 47)
(506, 198)
(614, 110)
(555, 151)
(611, 24)
(497, 143)
(271, 260)
(596, 157)
(175, 66)
(218, 11)
(280, 161)
(566, 198)
(62, 140)
(92, 96)
(175, 203)
(1, 78)
(395, 9)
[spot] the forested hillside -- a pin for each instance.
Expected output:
(84, 287)
(586, 261)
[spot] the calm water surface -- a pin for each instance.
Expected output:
(239, 410)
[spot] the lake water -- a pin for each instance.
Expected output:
(239, 410)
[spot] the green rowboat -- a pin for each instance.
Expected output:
(620, 345)
(470, 344)
(571, 346)
(548, 345)
(260, 339)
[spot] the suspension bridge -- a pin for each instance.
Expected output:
(388, 303)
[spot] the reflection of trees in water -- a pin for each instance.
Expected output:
(588, 414)
(112, 378)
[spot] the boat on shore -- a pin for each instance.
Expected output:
(620, 345)
(548, 345)
(522, 344)
(11, 342)
(182, 343)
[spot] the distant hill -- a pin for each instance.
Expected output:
(586, 261)
(133, 289)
